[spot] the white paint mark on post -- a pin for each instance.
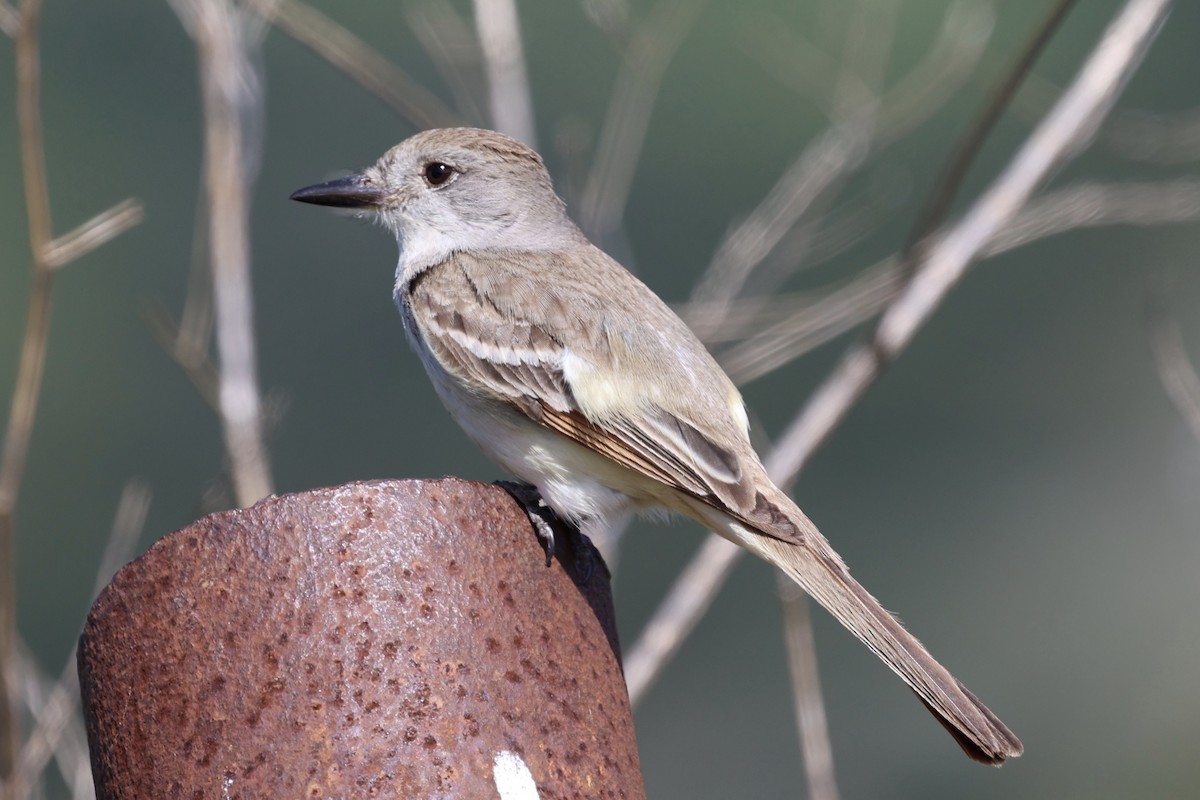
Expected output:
(513, 779)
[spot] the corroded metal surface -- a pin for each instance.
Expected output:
(386, 639)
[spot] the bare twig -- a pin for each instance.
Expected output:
(686, 601)
(128, 524)
(800, 65)
(655, 41)
(499, 33)
(822, 164)
(232, 103)
(48, 255)
(56, 712)
(858, 127)
(95, 232)
(187, 342)
(41, 695)
(1067, 128)
(195, 327)
(10, 20)
(191, 355)
(951, 60)
(806, 690)
(453, 46)
(1175, 369)
(954, 172)
(811, 177)
(812, 324)
(790, 58)
(868, 46)
(784, 336)
(29, 378)
(1155, 137)
(1159, 138)
(359, 60)
(1093, 205)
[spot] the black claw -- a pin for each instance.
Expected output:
(541, 516)
(580, 550)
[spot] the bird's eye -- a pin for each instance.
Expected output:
(438, 173)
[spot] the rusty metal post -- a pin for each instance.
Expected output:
(398, 639)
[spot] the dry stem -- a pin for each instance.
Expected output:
(1068, 126)
(627, 118)
(806, 690)
(1175, 369)
(231, 100)
(359, 60)
(48, 255)
(499, 33)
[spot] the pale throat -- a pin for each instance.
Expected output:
(423, 245)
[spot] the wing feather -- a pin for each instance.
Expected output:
(502, 350)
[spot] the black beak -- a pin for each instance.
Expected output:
(350, 192)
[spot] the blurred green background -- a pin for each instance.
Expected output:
(1018, 487)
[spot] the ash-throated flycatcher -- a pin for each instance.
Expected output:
(574, 376)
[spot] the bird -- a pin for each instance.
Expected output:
(575, 377)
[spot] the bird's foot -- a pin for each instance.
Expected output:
(541, 516)
(545, 524)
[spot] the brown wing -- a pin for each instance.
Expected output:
(491, 347)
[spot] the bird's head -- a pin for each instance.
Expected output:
(455, 189)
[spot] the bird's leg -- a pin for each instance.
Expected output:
(545, 521)
(541, 516)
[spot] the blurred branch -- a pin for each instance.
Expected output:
(56, 712)
(194, 331)
(1160, 138)
(859, 85)
(655, 42)
(1093, 205)
(10, 20)
(232, 104)
(453, 46)
(1154, 137)
(29, 379)
(812, 324)
(45, 697)
(48, 255)
(499, 33)
(782, 337)
(1065, 130)
(1175, 369)
(954, 172)
(357, 59)
(1068, 126)
(838, 151)
(865, 54)
(859, 118)
(789, 58)
(191, 355)
(685, 603)
(806, 690)
(966, 29)
(823, 165)
(100, 229)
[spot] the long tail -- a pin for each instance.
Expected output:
(814, 565)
